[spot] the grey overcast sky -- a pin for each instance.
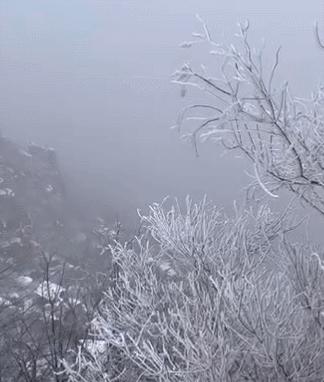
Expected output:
(92, 79)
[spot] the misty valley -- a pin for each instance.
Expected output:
(130, 251)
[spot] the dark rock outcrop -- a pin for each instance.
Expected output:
(43, 246)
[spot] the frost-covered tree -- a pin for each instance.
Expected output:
(204, 297)
(243, 109)
(201, 296)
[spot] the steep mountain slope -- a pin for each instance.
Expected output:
(51, 264)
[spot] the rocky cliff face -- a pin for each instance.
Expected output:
(34, 211)
(31, 204)
(49, 262)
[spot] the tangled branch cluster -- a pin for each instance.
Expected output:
(282, 135)
(219, 310)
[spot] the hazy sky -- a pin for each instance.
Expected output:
(92, 79)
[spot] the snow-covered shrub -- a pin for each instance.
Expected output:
(231, 305)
